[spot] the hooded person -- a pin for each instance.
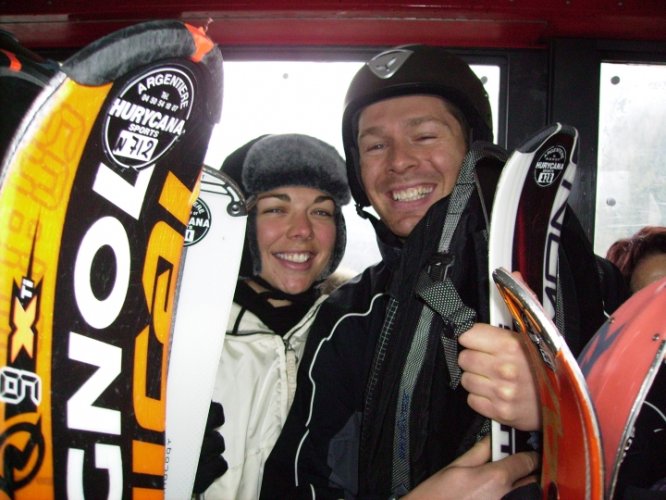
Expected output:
(295, 186)
(401, 372)
(273, 161)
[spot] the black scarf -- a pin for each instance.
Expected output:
(278, 319)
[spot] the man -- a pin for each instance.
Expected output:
(382, 404)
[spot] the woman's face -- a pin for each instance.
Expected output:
(296, 236)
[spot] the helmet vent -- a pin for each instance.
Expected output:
(386, 64)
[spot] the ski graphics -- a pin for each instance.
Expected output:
(525, 228)
(572, 460)
(620, 364)
(95, 198)
(213, 248)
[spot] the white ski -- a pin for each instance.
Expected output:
(213, 248)
(526, 223)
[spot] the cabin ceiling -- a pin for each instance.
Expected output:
(43, 24)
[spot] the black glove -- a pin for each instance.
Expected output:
(531, 491)
(211, 463)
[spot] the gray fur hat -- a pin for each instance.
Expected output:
(295, 160)
(272, 161)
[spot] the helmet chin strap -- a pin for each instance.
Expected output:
(380, 228)
(389, 244)
(365, 215)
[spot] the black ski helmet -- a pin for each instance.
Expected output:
(406, 70)
(271, 161)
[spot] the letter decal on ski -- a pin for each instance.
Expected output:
(572, 460)
(95, 196)
(528, 211)
(148, 116)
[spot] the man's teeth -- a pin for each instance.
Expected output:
(298, 258)
(412, 194)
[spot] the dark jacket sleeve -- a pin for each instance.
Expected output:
(284, 476)
(614, 286)
(317, 451)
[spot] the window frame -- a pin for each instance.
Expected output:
(575, 68)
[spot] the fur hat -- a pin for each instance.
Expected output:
(271, 161)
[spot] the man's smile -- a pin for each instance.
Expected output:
(412, 193)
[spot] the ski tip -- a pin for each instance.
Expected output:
(536, 140)
(113, 55)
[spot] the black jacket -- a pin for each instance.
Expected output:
(338, 437)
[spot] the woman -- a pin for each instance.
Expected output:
(295, 238)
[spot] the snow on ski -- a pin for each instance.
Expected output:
(525, 228)
(95, 197)
(572, 459)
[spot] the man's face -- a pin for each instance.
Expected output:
(411, 150)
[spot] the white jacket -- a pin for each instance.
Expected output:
(255, 383)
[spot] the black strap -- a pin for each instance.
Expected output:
(442, 298)
(279, 319)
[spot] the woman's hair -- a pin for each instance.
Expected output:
(626, 253)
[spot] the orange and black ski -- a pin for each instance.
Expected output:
(95, 196)
(621, 363)
(572, 460)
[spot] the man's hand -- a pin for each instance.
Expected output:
(498, 377)
(211, 462)
(472, 476)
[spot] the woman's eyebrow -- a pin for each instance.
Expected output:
(286, 198)
(279, 196)
(323, 198)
